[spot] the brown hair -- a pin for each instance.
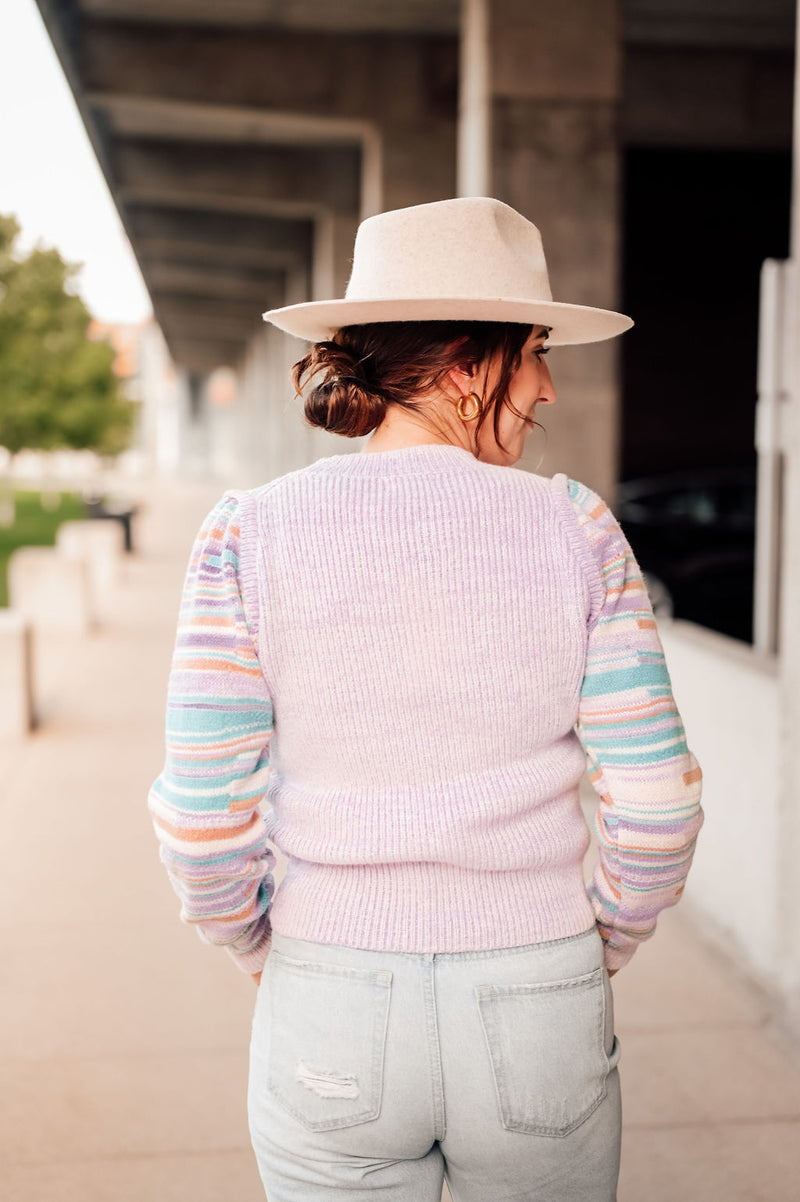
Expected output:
(366, 368)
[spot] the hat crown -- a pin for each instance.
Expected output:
(463, 248)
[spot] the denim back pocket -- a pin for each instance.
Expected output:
(327, 1040)
(547, 1051)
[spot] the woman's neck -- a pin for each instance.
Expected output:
(399, 429)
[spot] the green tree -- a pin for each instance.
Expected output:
(57, 387)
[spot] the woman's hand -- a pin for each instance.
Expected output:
(256, 977)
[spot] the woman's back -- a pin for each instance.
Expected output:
(409, 654)
(422, 625)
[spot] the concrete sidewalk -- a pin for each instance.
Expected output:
(124, 1043)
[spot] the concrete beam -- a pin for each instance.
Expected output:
(183, 315)
(753, 24)
(397, 80)
(215, 328)
(394, 96)
(128, 116)
(212, 275)
(67, 31)
(167, 250)
(252, 123)
(244, 178)
(350, 15)
(200, 355)
(231, 285)
(197, 305)
(272, 243)
(221, 305)
(209, 202)
(134, 115)
(736, 98)
(206, 340)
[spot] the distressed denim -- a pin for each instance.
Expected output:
(391, 1071)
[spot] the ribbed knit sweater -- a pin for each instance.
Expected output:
(395, 668)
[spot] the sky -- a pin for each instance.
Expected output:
(49, 176)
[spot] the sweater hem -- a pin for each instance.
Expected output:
(422, 908)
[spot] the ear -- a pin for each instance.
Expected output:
(464, 375)
(462, 380)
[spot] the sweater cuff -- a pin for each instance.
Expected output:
(255, 958)
(616, 957)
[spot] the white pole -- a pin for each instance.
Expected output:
(788, 937)
(795, 226)
(771, 399)
(474, 134)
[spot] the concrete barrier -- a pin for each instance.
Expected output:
(101, 546)
(51, 590)
(16, 675)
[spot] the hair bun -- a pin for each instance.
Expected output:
(354, 381)
(344, 401)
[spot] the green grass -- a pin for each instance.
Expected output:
(35, 526)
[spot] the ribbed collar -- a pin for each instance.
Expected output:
(431, 455)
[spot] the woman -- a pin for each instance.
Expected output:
(410, 653)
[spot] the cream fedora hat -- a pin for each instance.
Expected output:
(469, 259)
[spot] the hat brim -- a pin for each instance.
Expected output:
(571, 325)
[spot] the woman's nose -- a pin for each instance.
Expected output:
(547, 392)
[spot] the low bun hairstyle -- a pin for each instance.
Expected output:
(363, 369)
(347, 399)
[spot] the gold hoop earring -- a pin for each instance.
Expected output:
(476, 400)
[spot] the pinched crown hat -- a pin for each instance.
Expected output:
(468, 259)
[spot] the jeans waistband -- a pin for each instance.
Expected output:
(292, 946)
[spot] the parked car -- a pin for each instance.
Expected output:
(693, 533)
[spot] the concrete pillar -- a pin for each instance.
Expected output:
(16, 675)
(271, 434)
(51, 591)
(538, 130)
(195, 429)
(161, 402)
(100, 544)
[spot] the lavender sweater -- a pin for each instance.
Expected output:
(410, 657)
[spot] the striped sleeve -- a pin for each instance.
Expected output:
(205, 802)
(648, 781)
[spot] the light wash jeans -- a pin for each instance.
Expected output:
(391, 1071)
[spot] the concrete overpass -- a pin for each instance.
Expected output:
(242, 143)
